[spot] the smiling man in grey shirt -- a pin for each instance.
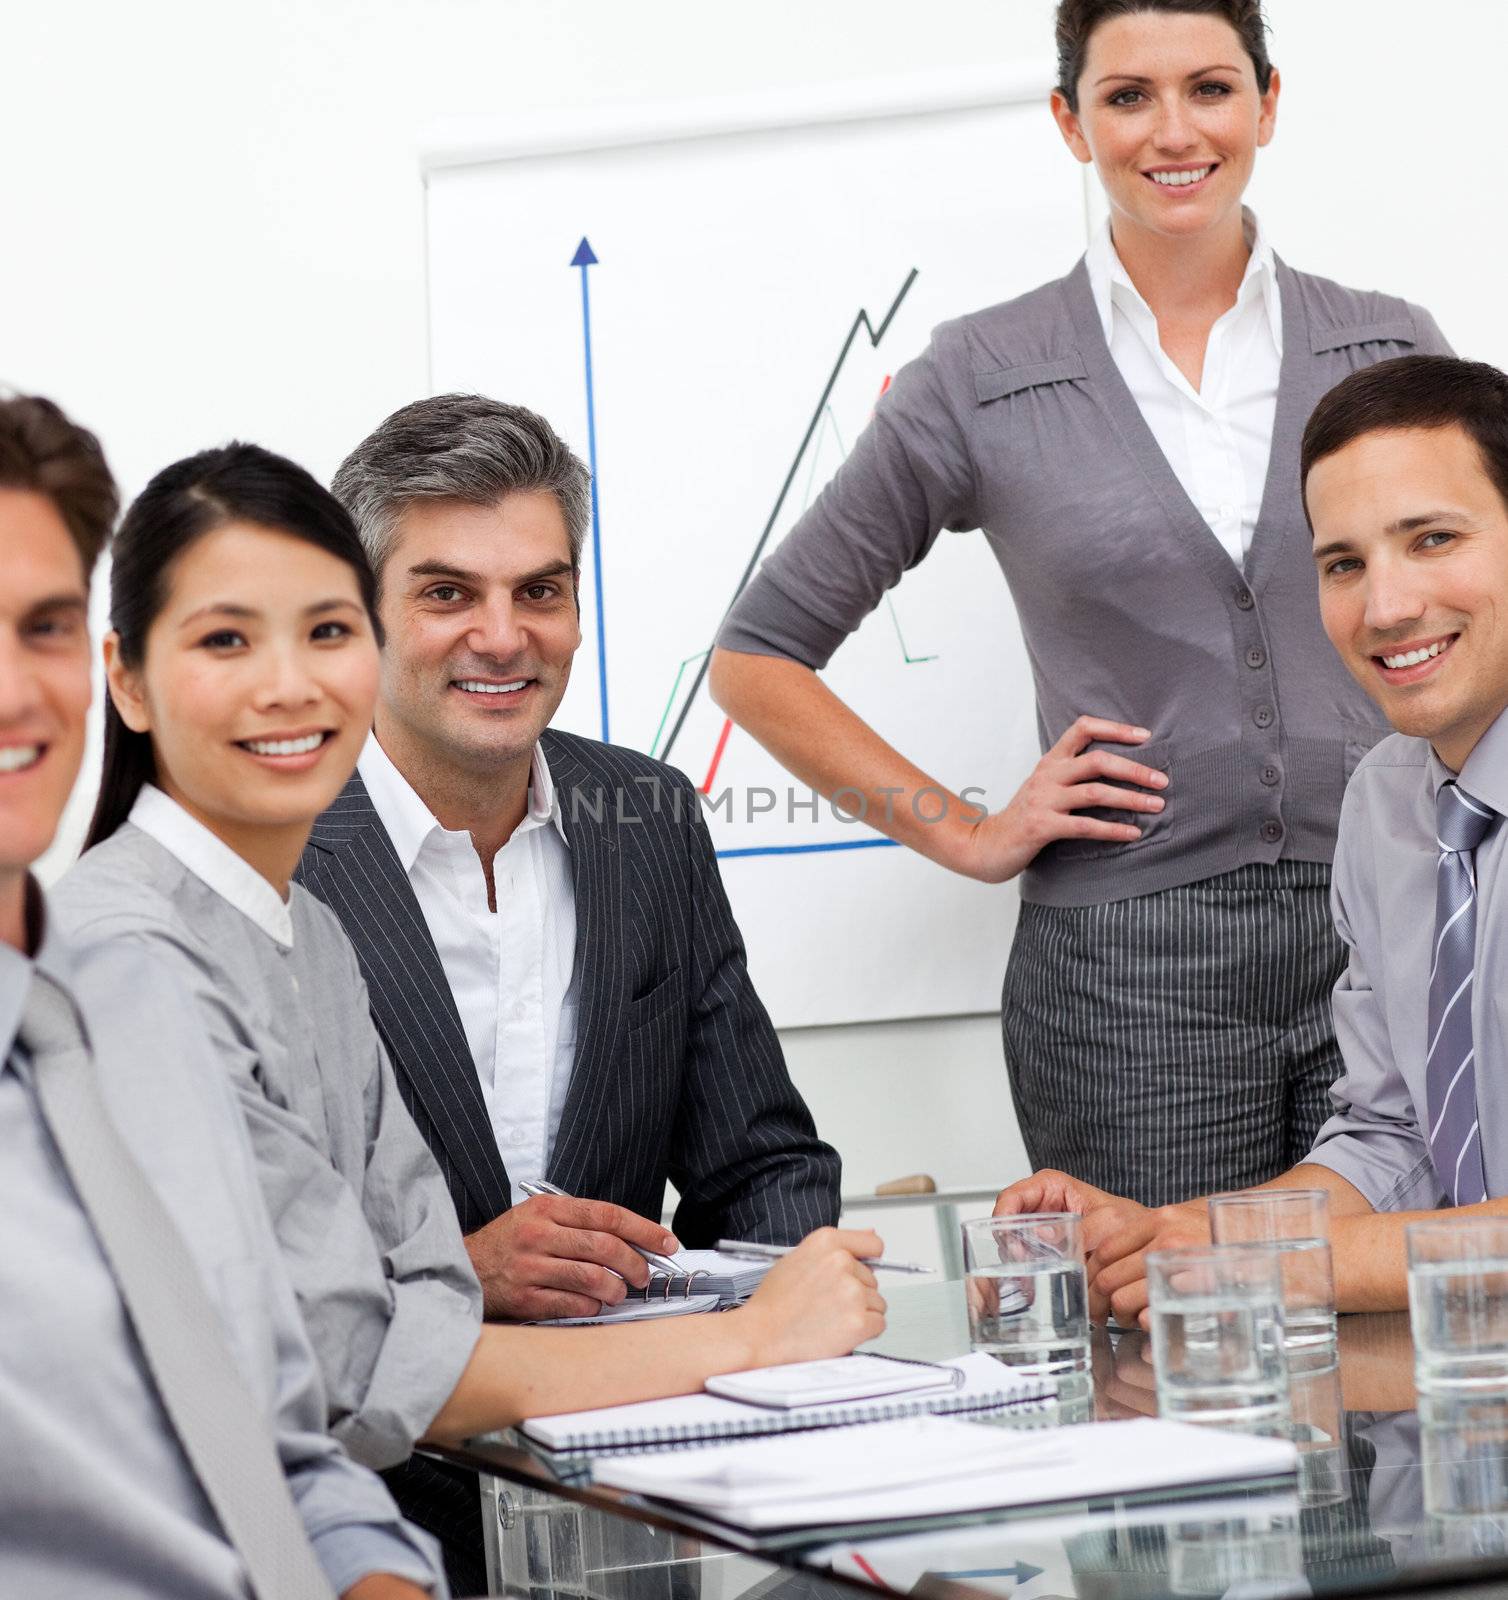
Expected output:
(1405, 466)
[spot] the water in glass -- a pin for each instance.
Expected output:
(1032, 1315)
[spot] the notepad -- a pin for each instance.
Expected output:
(931, 1465)
(824, 1383)
(698, 1418)
(731, 1278)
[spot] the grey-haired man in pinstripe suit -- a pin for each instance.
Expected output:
(550, 955)
(1406, 480)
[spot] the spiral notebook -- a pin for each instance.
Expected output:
(701, 1418)
(731, 1278)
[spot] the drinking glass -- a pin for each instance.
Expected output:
(1217, 1336)
(1458, 1303)
(1296, 1222)
(1028, 1300)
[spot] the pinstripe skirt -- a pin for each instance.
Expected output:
(1177, 1043)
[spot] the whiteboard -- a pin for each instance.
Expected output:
(707, 305)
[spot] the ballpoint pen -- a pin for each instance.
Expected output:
(773, 1252)
(671, 1269)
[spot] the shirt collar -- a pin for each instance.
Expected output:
(409, 822)
(213, 862)
(1484, 774)
(1112, 288)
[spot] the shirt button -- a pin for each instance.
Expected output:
(1256, 657)
(1263, 716)
(517, 1136)
(1271, 832)
(1271, 776)
(516, 1011)
(294, 982)
(1243, 598)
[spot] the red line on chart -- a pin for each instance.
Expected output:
(717, 755)
(867, 1570)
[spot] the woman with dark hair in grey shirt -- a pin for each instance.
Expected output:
(1127, 438)
(242, 669)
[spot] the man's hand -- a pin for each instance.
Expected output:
(553, 1256)
(1106, 1217)
(384, 1586)
(1118, 1275)
(1049, 1191)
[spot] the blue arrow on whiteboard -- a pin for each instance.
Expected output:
(586, 258)
(1022, 1572)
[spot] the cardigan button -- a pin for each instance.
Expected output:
(1244, 599)
(1256, 657)
(1271, 832)
(1271, 776)
(1263, 716)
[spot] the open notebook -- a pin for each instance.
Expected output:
(699, 1418)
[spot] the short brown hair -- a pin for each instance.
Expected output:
(1414, 392)
(1077, 19)
(42, 450)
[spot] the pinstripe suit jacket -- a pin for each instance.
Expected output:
(678, 1073)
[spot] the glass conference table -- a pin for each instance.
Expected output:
(1387, 1499)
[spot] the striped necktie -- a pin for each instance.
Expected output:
(220, 1427)
(1455, 1141)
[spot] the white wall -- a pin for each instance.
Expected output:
(212, 226)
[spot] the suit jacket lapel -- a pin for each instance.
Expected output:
(366, 886)
(589, 808)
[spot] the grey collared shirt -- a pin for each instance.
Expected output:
(1383, 898)
(97, 1497)
(367, 1226)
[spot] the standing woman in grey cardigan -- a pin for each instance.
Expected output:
(1127, 438)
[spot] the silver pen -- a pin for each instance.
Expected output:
(773, 1252)
(671, 1269)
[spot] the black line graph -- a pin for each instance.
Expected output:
(861, 324)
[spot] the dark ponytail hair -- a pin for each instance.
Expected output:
(1077, 19)
(193, 497)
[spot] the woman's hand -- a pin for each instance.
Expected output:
(1047, 806)
(818, 1301)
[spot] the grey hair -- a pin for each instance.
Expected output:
(458, 447)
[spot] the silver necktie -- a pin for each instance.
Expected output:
(1455, 1141)
(223, 1433)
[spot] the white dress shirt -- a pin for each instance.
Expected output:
(512, 971)
(1217, 438)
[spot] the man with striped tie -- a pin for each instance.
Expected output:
(1405, 470)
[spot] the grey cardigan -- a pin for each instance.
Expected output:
(1016, 420)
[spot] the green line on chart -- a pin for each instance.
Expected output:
(670, 703)
(831, 421)
(911, 660)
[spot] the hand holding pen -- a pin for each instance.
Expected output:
(555, 1256)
